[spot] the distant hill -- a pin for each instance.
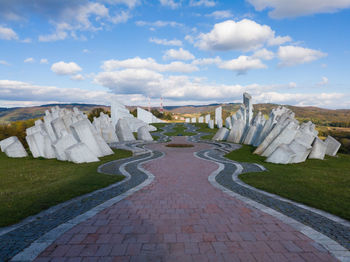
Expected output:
(317, 115)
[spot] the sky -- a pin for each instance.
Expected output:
(186, 51)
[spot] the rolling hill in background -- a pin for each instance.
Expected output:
(315, 114)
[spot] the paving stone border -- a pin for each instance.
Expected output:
(331, 232)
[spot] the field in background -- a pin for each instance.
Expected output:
(30, 185)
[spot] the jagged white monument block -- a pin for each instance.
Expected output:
(221, 134)
(144, 134)
(211, 124)
(187, 120)
(228, 122)
(218, 115)
(105, 128)
(207, 119)
(80, 153)
(280, 138)
(201, 119)
(147, 117)
(123, 131)
(12, 147)
(193, 120)
(332, 146)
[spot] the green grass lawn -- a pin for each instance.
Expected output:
(179, 129)
(28, 185)
(323, 184)
(205, 129)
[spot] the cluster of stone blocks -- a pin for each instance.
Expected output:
(280, 138)
(69, 136)
(201, 119)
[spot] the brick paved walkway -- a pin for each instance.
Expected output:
(182, 217)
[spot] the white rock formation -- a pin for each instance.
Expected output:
(211, 124)
(207, 119)
(80, 153)
(147, 117)
(62, 144)
(218, 115)
(123, 131)
(144, 134)
(281, 139)
(12, 147)
(319, 148)
(194, 120)
(221, 134)
(201, 119)
(332, 146)
(187, 120)
(219, 123)
(105, 128)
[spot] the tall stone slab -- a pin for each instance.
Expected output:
(124, 132)
(228, 123)
(282, 155)
(194, 120)
(187, 120)
(62, 144)
(201, 119)
(218, 115)
(80, 153)
(6, 142)
(221, 134)
(219, 123)
(236, 132)
(319, 148)
(12, 147)
(144, 134)
(247, 101)
(332, 146)
(207, 119)
(211, 124)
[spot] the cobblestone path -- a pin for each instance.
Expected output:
(179, 217)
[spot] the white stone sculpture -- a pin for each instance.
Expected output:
(187, 120)
(211, 124)
(123, 131)
(80, 153)
(201, 119)
(218, 115)
(104, 127)
(319, 148)
(332, 146)
(207, 119)
(219, 123)
(62, 144)
(144, 134)
(194, 120)
(12, 147)
(282, 155)
(221, 134)
(228, 123)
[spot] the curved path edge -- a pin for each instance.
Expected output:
(39, 245)
(329, 244)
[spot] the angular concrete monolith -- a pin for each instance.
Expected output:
(12, 147)
(221, 134)
(282, 155)
(193, 120)
(301, 151)
(201, 119)
(219, 123)
(65, 141)
(228, 122)
(144, 134)
(84, 132)
(207, 119)
(332, 146)
(124, 132)
(187, 120)
(236, 132)
(218, 115)
(58, 126)
(247, 101)
(319, 148)
(211, 124)
(80, 153)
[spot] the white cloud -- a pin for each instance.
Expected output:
(158, 23)
(77, 77)
(292, 85)
(279, 40)
(180, 54)
(129, 3)
(206, 3)
(7, 33)
(223, 14)
(242, 64)
(3, 62)
(282, 9)
(149, 64)
(264, 54)
(86, 51)
(174, 42)
(62, 68)
(123, 17)
(294, 55)
(22, 91)
(43, 61)
(29, 60)
(207, 61)
(324, 81)
(244, 35)
(170, 3)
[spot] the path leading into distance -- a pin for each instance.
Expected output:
(180, 216)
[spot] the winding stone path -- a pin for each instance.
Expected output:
(180, 216)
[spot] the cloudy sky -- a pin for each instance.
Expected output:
(187, 51)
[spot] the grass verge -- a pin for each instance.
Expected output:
(205, 129)
(29, 185)
(179, 130)
(323, 184)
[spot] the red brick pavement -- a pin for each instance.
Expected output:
(182, 217)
